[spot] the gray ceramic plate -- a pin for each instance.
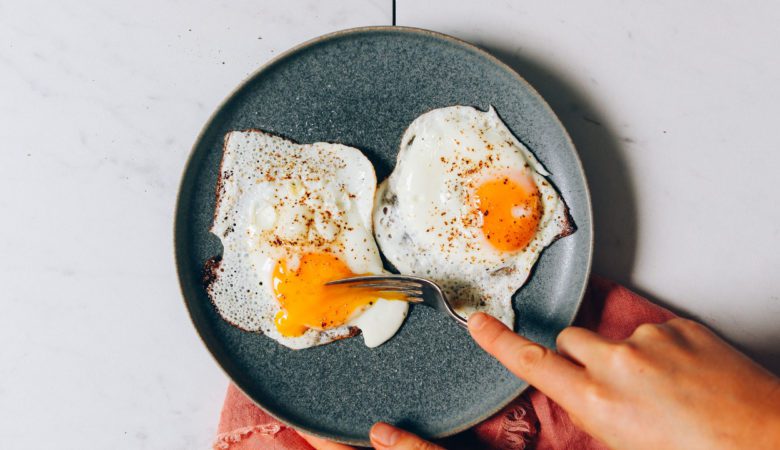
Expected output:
(362, 87)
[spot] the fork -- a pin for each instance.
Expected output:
(415, 289)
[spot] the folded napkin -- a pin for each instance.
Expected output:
(530, 421)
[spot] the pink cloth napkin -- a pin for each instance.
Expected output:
(530, 421)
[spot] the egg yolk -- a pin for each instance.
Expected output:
(307, 303)
(511, 212)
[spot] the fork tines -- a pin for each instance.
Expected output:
(411, 289)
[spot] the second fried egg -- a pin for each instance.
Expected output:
(468, 205)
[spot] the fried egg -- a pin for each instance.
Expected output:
(292, 217)
(468, 206)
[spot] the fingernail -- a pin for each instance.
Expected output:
(384, 434)
(477, 321)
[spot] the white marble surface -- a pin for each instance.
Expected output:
(672, 106)
(99, 105)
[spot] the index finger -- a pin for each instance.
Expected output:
(554, 375)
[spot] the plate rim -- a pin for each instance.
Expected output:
(179, 253)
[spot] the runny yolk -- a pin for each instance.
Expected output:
(307, 303)
(510, 212)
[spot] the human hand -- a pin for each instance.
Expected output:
(675, 385)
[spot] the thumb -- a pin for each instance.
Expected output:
(324, 444)
(388, 437)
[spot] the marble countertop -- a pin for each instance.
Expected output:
(673, 109)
